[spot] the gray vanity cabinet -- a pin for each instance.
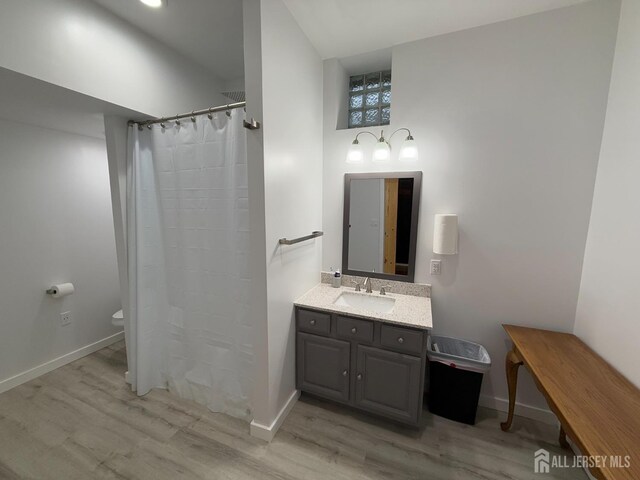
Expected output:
(323, 366)
(388, 383)
(367, 364)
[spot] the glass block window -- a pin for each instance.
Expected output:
(370, 99)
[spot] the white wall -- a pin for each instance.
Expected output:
(609, 304)
(78, 45)
(251, 11)
(116, 143)
(56, 227)
(508, 119)
(291, 166)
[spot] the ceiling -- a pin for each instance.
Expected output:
(208, 32)
(341, 28)
(25, 99)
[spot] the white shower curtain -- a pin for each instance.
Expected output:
(188, 239)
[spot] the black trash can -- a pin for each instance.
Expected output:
(456, 368)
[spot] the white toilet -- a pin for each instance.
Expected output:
(117, 319)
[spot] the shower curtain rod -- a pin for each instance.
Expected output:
(252, 125)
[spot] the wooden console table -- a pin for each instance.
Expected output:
(598, 408)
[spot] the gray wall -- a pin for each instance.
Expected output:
(609, 304)
(508, 119)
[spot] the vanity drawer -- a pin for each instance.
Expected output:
(354, 329)
(402, 339)
(314, 322)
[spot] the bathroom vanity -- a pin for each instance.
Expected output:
(365, 350)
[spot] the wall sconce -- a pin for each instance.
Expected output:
(445, 234)
(382, 150)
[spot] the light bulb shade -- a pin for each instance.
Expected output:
(381, 152)
(409, 151)
(355, 155)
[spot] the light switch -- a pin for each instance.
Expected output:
(435, 267)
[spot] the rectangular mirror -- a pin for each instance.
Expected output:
(380, 225)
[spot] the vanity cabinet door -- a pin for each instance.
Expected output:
(388, 383)
(323, 366)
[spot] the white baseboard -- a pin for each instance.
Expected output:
(35, 372)
(266, 433)
(527, 411)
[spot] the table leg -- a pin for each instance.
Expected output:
(562, 438)
(512, 363)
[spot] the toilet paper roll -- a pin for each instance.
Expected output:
(61, 290)
(445, 234)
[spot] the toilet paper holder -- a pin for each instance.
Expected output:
(60, 290)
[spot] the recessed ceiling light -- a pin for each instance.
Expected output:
(153, 3)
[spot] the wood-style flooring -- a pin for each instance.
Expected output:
(83, 422)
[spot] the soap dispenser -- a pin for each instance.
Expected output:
(336, 281)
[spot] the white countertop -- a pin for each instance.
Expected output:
(409, 310)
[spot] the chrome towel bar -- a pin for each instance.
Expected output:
(286, 241)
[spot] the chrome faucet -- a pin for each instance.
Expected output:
(367, 283)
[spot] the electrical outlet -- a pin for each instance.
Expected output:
(65, 318)
(436, 267)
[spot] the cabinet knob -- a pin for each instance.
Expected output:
(359, 376)
(354, 330)
(312, 322)
(345, 373)
(400, 340)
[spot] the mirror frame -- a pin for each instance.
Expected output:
(417, 187)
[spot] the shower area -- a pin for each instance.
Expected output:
(201, 201)
(187, 321)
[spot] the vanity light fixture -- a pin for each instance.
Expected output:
(409, 150)
(355, 155)
(382, 149)
(153, 3)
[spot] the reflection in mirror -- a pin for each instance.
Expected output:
(381, 211)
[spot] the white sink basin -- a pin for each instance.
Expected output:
(366, 301)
